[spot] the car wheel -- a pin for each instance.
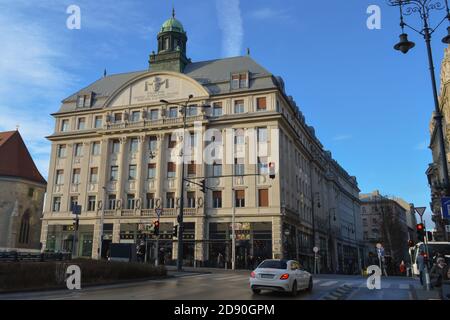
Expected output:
(310, 285)
(256, 291)
(294, 289)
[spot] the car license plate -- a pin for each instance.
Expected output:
(267, 276)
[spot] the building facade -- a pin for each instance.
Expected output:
(116, 152)
(435, 171)
(22, 190)
(385, 221)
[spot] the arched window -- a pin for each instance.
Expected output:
(24, 234)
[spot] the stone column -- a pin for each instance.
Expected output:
(122, 174)
(96, 241)
(44, 233)
(103, 174)
(141, 173)
(116, 232)
(277, 241)
(159, 177)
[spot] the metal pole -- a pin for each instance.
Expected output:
(180, 215)
(233, 238)
(438, 115)
(157, 251)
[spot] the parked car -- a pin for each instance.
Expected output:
(280, 275)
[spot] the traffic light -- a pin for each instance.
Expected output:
(156, 228)
(203, 186)
(76, 223)
(175, 231)
(410, 243)
(272, 170)
(420, 232)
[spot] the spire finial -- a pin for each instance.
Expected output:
(104, 73)
(173, 12)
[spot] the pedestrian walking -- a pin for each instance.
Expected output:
(438, 274)
(219, 260)
(421, 266)
(402, 268)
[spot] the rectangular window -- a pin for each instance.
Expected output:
(192, 111)
(114, 174)
(91, 203)
(263, 197)
(80, 101)
(78, 150)
(56, 206)
(132, 172)
(239, 137)
(173, 112)
(261, 104)
(76, 176)
(217, 109)
(65, 125)
(118, 117)
(154, 114)
(172, 141)
(150, 200)
(115, 146)
(263, 167)
(239, 196)
(98, 122)
(134, 145)
(235, 81)
(61, 151)
(130, 201)
(239, 166)
(135, 116)
(190, 199)
(239, 106)
(153, 143)
(191, 168)
(112, 202)
(93, 176)
(170, 200)
(81, 124)
(217, 169)
(151, 171)
(217, 199)
(243, 80)
(59, 177)
(262, 135)
(171, 170)
(96, 148)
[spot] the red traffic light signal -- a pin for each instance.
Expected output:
(156, 227)
(272, 170)
(420, 227)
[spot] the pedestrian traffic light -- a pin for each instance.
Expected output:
(272, 170)
(203, 186)
(420, 232)
(175, 231)
(156, 228)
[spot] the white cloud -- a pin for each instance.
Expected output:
(231, 25)
(342, 137)
(267, 13)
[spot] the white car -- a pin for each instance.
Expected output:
(280, 275)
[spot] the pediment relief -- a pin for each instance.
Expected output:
(152, 87)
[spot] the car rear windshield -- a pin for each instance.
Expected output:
(273, 264)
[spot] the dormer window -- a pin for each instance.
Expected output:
(239, 80)
(84, 101)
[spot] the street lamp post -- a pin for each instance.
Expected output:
(181, 212)
(423, 8)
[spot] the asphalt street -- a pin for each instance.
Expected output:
(231, 286)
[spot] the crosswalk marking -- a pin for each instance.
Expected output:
(328, 283)
(404, 286)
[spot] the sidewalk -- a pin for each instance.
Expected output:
(423, 294)
(198, 270)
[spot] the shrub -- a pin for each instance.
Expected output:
(22, 276)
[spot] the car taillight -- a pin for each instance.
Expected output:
(284, 276)
(252, 275)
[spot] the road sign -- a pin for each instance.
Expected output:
(421, 210)
(445, 204)
(76, 209)
(315, 249)
(158, 212)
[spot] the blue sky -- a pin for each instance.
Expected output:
(369, 104)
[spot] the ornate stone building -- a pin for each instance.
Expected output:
(115, 152)
(22, 190)
(434, 172)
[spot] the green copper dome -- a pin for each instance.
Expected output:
(172, 25)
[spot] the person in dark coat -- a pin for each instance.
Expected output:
(438, 274)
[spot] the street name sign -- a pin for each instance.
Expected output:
(445, 205)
